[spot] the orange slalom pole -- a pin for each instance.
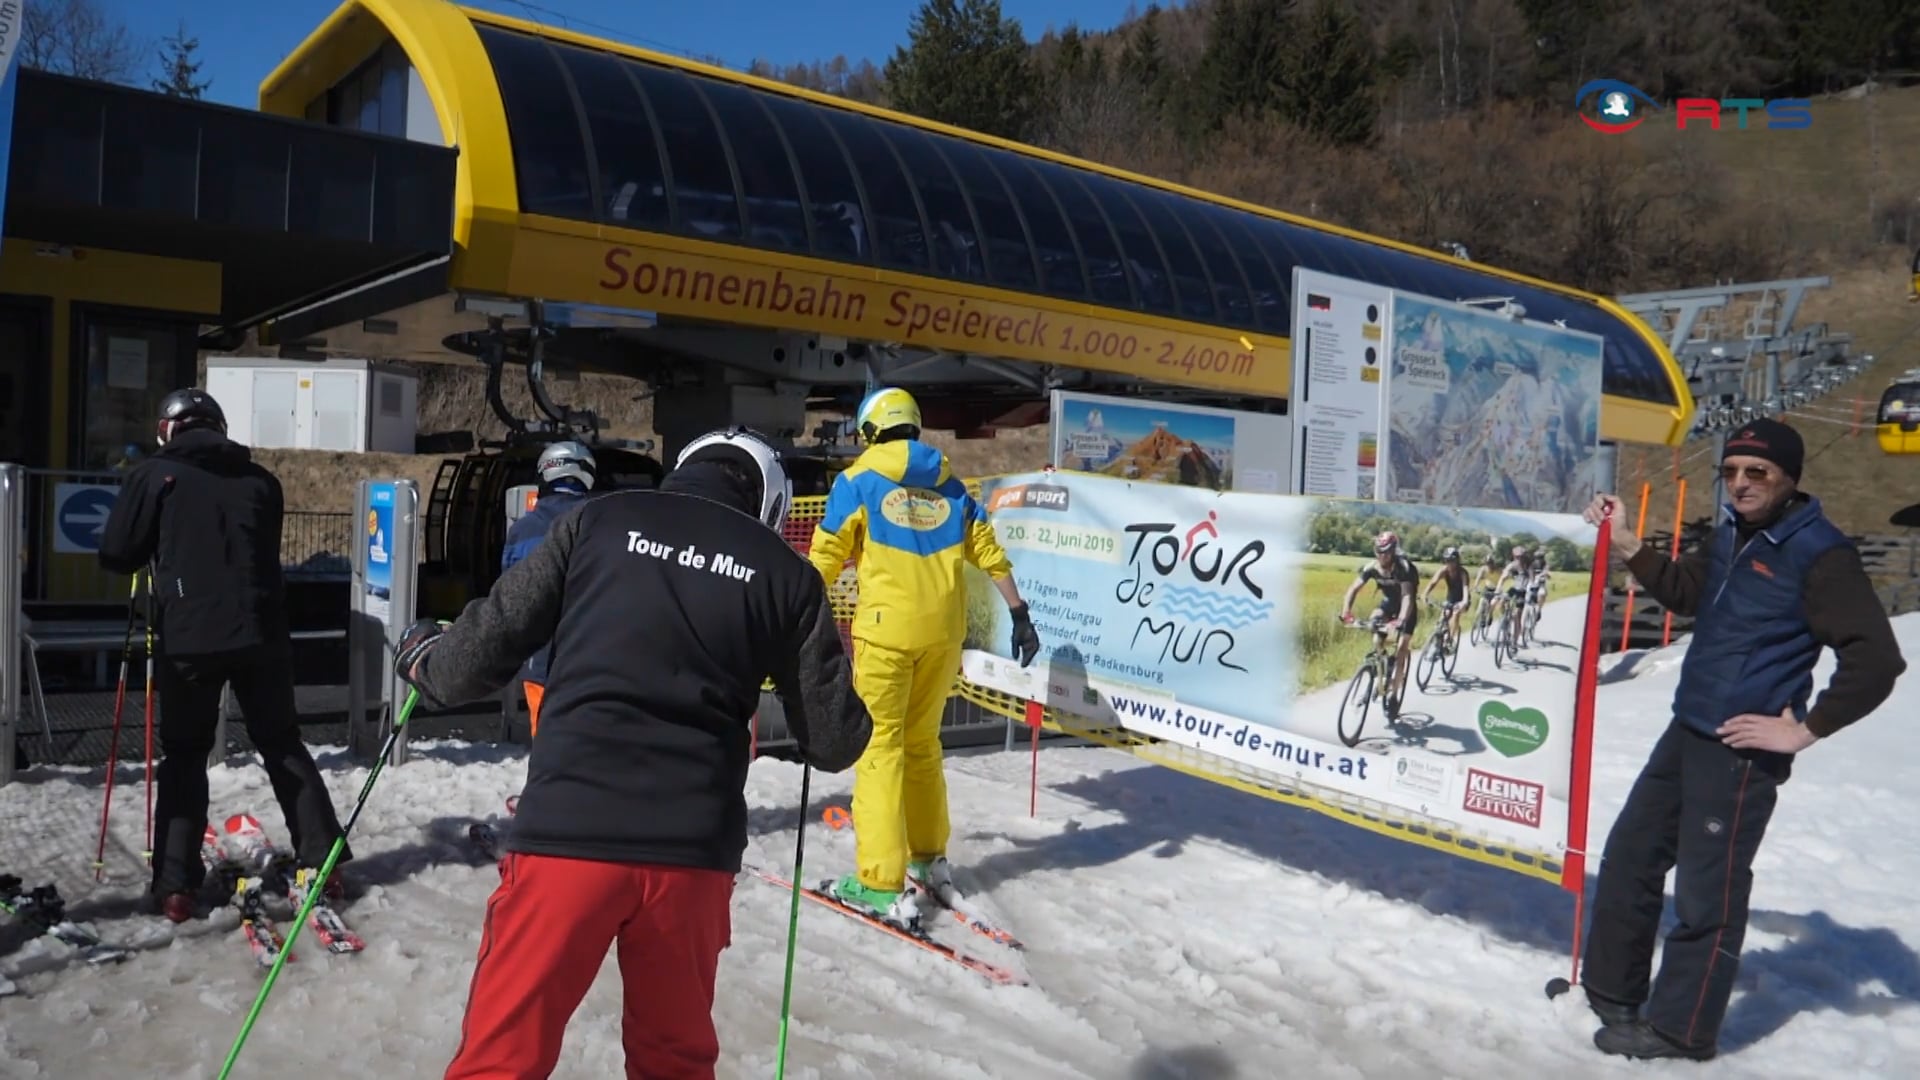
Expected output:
(1679, 511)
(1639, 528)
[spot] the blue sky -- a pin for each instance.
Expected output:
(242, 40)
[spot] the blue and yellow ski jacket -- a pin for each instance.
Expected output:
(910, 527)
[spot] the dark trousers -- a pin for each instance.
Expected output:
(189, 688)
(1699, 808)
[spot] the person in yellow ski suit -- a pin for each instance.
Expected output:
(910, 526)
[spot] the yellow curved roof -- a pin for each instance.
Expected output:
(455, 70)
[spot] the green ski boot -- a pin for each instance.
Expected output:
(896, 907)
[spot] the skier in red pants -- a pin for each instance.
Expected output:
(666, 611)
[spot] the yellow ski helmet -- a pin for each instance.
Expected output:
(888, 407)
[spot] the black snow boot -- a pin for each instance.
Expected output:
(1611, 1012)
(1640, 1040)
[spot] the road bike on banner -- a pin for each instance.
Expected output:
(1372, 679)
(1509, 631)
(1483, 619)
(1442, 647)
(1535, 596)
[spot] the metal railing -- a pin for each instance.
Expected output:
(317, 543)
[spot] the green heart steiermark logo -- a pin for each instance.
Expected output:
(1513, 732)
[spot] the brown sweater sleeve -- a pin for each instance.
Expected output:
(1674, 584)
(1846, 616)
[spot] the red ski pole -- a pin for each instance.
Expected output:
(113, 745)
(149, 620)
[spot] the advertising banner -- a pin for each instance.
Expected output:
(13, 14)
(1489, 411)
(1167, 443)
(380, 497)
(1212, 620)
(1340, 348)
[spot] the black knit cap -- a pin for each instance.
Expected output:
(1769, 440)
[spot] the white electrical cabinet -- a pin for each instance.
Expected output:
(350, 405)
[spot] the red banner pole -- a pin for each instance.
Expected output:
(1573, 875)
(1034, 715)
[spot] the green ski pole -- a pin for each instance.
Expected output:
(313, 893)
(793, 923)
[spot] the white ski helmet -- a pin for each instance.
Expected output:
(746, 448)
(567, 460)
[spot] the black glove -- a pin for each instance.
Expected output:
(1026, 640)
(414, 643)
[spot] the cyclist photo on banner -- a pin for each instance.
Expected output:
(1512, 590)
(1454, 576)
(1396, 577)
(1483, 582)
(1537, 590)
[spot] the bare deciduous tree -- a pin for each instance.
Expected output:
(76, 37)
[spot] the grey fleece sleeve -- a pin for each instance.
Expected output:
(815, 684)
(485, 647)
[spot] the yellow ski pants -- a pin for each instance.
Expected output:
(900, 783)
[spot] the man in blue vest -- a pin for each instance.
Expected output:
(1774, 583)
(567, 471)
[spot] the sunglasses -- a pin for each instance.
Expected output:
(1758, 474)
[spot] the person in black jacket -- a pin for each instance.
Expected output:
(207, 517)
(1774, 586)
(667, 610)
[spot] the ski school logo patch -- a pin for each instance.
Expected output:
(915, 508)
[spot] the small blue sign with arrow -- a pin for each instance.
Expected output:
(80, 515)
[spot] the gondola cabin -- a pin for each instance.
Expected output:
(1898, 422)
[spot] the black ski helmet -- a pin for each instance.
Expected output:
(187, 408)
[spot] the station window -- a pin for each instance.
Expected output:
(1009, 254)
(1143, 258)
(1107, 275)
(900, 235)
(549, 153)
(775, 218)
(840, 229)
(373, 98)
(956, 245)
(130, 365)
(1230, 284)
(1061, 271)
(1192, 291)
(703, 191)
(1272, 286)
(633, 182)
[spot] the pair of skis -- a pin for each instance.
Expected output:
(486, 836)
(43, 911)
(919, 935)
(250, 865)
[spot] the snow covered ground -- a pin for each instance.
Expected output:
(1175, 929)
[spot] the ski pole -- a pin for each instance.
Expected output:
(320, 881)
(152, 602)
(793, 922)
(113, 743)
